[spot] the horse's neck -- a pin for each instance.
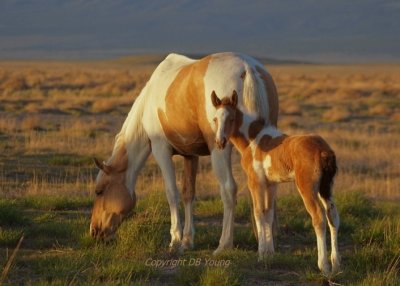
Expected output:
(240, 137)
(240, 141)
(249, 131)
(135, 141)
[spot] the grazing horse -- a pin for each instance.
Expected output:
(173, 115)
(268, 158)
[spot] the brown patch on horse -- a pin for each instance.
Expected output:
(189, 176)
(182, 118)
(255, 127)
(281, 157)
(237, 136)
(272, 95)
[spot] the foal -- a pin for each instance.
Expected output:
(270, 157)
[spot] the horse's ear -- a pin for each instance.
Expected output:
(215, 100)
(102, 166)
(234, 99)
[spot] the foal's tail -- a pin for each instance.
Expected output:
(329, 169)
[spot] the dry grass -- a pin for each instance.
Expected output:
(55, 116)
(77, 108)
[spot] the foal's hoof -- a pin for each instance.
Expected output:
(264, 255)
(218, 251)
(224, 246)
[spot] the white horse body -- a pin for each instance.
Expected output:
(161, 123)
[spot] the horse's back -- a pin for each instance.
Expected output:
(178, 96)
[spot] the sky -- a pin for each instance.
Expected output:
(312, 30)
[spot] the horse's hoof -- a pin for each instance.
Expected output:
(175, 248)
(187, 245)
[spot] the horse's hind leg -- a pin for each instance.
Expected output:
(309, 193)
(221, 162)
(333, 222)
(163, 155)
(188, 193)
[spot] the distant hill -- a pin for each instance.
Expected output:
(309, 30)
(155, 59)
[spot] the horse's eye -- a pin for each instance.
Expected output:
(215, 120)
(99, 191)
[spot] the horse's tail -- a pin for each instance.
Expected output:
(254, 94)
(329, 169)
(259, 94)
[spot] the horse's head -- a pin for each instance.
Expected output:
(224, 119)
(113, 201)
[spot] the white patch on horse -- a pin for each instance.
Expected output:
(267, 165)
(258, 166)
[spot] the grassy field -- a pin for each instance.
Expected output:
(54, 116)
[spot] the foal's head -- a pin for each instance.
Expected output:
(113, 201)
(224, 119)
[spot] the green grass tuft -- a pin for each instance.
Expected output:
(58, 249)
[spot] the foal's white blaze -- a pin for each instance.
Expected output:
(220, 116)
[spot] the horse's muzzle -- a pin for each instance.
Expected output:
(101, 235)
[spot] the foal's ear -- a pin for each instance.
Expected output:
(234, 99)
(215, 100)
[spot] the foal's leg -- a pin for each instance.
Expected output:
(262, 211)
(308, 191)
(221, 162)
(188, 193)
(270, 223)
(333, 222)
(163, 155)
(257, 197)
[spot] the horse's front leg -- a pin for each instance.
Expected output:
(188, 194)
(221, 162)
(163, 155)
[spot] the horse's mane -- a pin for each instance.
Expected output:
(132, 129)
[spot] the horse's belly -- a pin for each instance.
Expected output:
(183, 134)
(195, 149)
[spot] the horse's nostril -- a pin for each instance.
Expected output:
(94, 232)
